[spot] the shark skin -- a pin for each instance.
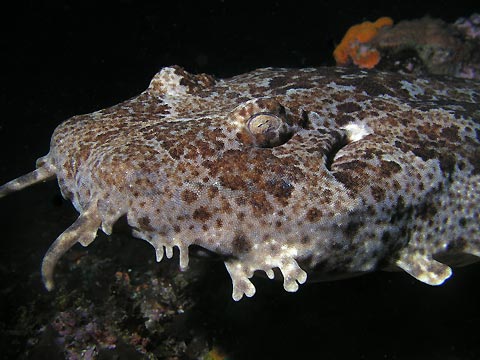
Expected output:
(318, 173)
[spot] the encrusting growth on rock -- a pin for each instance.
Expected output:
(417, 46)
(355, 46)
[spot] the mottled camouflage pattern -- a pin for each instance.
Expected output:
(328, 172)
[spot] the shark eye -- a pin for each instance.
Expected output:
(263, 122)
(269, 130)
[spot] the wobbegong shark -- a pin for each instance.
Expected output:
(318, 173)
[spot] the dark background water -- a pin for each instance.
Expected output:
(70, 59)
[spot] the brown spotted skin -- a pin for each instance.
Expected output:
(328, 172)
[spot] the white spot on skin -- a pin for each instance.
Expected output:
(264, 83)
(355, 76)
(337, 87)
(357, 131)
(414, 89)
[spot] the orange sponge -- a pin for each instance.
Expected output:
(354, 44)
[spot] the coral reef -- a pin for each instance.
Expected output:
(125, 314)
(470, 27)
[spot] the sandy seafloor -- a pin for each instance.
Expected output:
(112, 300)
